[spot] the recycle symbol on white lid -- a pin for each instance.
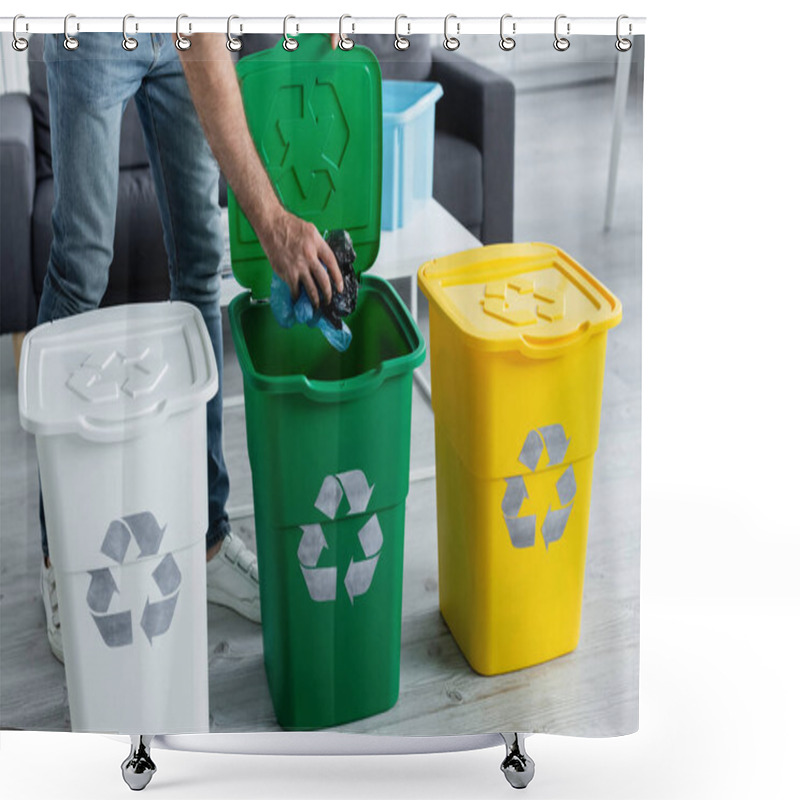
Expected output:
(116, 628)
(108, 374)
(522, 530)
(322, 581)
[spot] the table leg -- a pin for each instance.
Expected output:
(419, 378)
(423, 384)
(620, 98)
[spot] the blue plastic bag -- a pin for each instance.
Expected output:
(289, 312)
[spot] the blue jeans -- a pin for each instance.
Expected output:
(89, 89)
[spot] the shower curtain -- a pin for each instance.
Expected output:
(530, 145)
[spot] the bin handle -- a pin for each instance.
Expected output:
(531, 346)
(100, 430)
(363, 384)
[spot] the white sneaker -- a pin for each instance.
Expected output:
(47, 583)
(232, 579)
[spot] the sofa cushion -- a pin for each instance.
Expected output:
(16, 203)
(457, 179)
(139, 271)
(132, 153)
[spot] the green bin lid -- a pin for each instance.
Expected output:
(315, 116)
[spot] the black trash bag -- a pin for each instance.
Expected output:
(342, 303)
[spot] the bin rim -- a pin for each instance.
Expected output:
(95, 428)
(528, 347)
(521, 341)
(431, 95)
(341, 390)
(480, 472)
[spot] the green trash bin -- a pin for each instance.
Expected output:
(328, 433)
(328, 436)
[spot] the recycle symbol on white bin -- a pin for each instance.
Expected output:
(322, 581)
(116, 628)
(108, 374)
(522, 530)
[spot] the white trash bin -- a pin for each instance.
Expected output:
(117, 400)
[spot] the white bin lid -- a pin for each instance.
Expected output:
(115, 373)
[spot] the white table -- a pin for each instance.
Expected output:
(431, 233)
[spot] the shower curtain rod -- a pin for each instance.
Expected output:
(350, 25)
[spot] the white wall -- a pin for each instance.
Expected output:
(13, 67)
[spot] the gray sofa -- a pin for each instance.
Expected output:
(473, 174)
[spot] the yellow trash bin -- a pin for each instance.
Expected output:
(517, 343)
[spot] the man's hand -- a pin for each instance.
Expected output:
(294, 247)
(295, 250)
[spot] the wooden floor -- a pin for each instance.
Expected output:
(562, 147)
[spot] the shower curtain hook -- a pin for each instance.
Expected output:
(19, 43)
(128, 42)
(70, 42)
(344, 42)
(451, 42)
(233, 44)
(289, 43)
(400, 42)
(507, 42)
(561, 43)
(623, 45)
(181, 42)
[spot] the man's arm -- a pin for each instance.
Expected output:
(294, 247)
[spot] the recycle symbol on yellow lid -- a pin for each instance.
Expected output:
(116, 627)
(322, 581)
(523, 301)
(522, 530)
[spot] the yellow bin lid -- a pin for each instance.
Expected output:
(530, 297)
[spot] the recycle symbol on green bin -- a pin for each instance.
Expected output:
(116, 627)
(522, 530)
(309, 132)
(322, 581)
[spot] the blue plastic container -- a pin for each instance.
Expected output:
(408, 127)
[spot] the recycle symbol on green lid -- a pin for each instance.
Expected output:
(321, 582)
(522, 529)
(308, 134)
(116, 627)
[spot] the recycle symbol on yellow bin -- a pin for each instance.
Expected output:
(522, 529)
(322, 581)
(116, 627)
